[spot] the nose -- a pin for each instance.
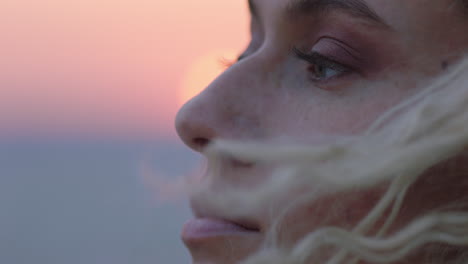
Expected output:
(193, 125)
(226, 109)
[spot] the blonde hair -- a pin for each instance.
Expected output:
(424, 130)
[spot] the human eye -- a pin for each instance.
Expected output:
(321, 67)
(330, 62)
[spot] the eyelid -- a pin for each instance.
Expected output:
(341, 44)
(317, 58)
(339, 52)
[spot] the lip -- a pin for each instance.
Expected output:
(200, 229)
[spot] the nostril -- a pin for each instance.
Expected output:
(200, 143)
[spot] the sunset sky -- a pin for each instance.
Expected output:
(109, 68)
(102, 69)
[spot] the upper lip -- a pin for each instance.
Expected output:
(201, 209)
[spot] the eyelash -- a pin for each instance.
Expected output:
(317, 59)
(227, 63)
(313, 58)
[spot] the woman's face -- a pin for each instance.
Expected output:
(314, 70)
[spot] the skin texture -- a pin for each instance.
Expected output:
(271, 95)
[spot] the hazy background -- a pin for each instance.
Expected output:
(88, 93)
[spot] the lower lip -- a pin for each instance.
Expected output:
(203, 228)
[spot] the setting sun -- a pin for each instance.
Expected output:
(203, 71)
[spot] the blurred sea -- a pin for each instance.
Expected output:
(85, 202)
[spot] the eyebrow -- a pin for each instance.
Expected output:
(357, 8)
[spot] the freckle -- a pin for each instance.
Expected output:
(444, 65)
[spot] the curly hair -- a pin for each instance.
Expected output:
(422, 131)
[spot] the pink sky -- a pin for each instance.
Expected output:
(104, 67)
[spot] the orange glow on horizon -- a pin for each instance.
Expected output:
(109, 67)
(203, 71)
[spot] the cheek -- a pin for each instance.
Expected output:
(447, 186)
(344, 210)
(314, 113)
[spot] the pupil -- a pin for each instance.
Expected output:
(320, 71)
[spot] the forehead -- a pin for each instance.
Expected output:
(398, 13)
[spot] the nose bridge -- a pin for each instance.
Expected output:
(228, 108)
(238, 85)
